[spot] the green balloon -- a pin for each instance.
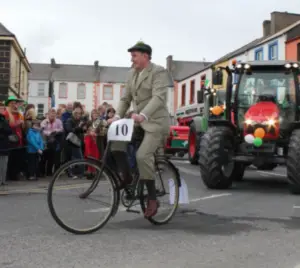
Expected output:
(257, 142)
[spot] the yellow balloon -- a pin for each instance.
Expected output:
(216, 110)
(259, 133)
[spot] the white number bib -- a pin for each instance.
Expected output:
(120, 130)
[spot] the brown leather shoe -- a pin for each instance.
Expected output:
(151, 209)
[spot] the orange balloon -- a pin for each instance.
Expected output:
(259, 133)
(217, 110)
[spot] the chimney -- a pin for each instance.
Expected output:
(281, 20)
(53, 63)
(266, 28)
(169, 63)
(96, 64)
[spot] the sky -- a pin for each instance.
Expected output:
(80, 32)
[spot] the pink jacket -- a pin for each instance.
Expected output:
(49, 127)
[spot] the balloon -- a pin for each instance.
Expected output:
(249, 138)
(216, 110)
(257, 142)
(259, 133)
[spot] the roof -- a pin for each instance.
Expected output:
(40, 71)
(183, 69)
(4, 31)
(113, 74)
(78, 73)
(281, 32)
(239, 51)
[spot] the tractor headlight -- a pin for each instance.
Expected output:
(248, 122)
(288, 65)
(296, 65)
(271, 122)
(247, 66)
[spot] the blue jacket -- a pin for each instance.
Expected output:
(34, 141)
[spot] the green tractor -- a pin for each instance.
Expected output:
(261, 125)
(213, 100)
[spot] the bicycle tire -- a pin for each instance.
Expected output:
(176, 199)
(60, 222)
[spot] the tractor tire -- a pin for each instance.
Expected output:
(293, 162)
(193, 145)
(216, 148)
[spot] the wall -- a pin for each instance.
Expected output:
(265, 47)
(116, 94)
(222, 64)
(16, 76)
(72, 94)
(187, 82)
(291, 52)
(4, 68)
(33, 97)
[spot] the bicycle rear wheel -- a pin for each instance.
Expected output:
(74, 214)
(167, 183)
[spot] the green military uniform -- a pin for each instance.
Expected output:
(147, 91)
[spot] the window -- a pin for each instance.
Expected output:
(183, 95)
(122, 91)
(298, 52)
(192, 92)
(81, 91)
(40, 109)
(108, 92)
(273, 51)
(41, 90)
(63, 91)
(259, 54)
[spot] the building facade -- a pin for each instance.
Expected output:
(188, 87)
(292, 49)
(14, 66)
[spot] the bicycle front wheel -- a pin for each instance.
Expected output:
(167, 182)
(82, 197)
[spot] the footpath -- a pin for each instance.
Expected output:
(30, 187)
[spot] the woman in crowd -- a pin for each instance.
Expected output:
(110, 113)
(5, 132)
(17, 154)
(52, 129)
(75, 129)
(29, 115)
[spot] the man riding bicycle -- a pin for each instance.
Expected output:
(146, 89)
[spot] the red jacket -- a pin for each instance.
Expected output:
(90, 148)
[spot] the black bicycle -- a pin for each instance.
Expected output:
(101, 175)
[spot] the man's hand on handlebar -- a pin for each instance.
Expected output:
(110, 120)
(137, 118)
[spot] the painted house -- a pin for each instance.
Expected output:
(14, 66)
(189, 86)
(180, 70)
(292, 49)
(89, 84)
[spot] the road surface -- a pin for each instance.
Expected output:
(254, 224)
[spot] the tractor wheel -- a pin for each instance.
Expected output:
(193, 145)
(217, 170)
(293, 162)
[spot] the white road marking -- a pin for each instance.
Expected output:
(296, 206)
(271, 173)
(210, 197)
(122, 208)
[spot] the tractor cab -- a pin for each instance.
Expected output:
(260, 126)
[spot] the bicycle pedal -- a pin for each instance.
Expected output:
(133, 211)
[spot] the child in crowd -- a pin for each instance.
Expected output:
(35, 147)
(91, 149)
